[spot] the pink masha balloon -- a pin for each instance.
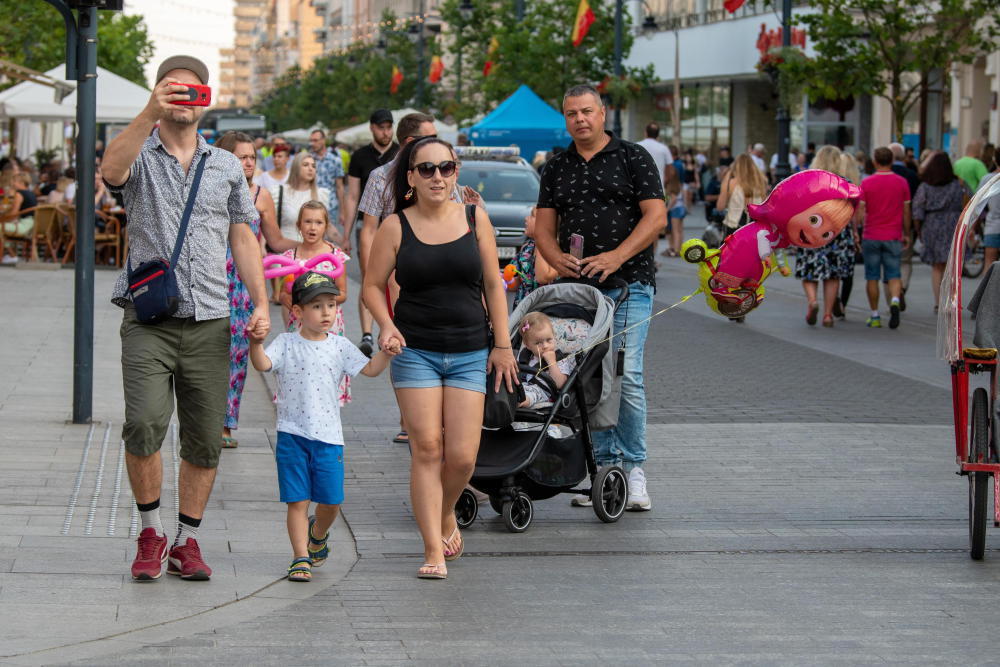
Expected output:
(278, 266)
(808, 209)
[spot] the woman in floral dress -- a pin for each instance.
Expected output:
(937, 205)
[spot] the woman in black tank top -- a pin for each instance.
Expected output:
(445, 260)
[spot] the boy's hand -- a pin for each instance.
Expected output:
(393, 347)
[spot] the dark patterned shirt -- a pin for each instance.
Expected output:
(599, 200)
(155, 194)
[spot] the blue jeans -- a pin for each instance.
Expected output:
(626, 442)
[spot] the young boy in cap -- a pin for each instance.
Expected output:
(308, 366)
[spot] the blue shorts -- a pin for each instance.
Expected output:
(991, 241)
(678, 213)
(420, 369)
(882, 259)
(309, 470)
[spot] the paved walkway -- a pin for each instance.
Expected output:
(805, 512)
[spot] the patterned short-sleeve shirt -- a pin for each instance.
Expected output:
(599, 200)
(329, 167)
(155, 194)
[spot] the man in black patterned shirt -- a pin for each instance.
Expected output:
(609, 192)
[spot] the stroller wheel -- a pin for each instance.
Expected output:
(517, 513)
(466, 509)
(609, 493)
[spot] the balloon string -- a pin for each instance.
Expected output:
(629, 328)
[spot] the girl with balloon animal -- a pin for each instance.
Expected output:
(313, 224)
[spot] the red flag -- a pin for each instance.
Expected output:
(732, 5)
(397, 78)
(584, 19)
(437, 69)
(490, 53)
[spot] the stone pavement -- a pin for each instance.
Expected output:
(805, 512)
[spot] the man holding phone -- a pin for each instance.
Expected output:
(156, 163)
(607, 196)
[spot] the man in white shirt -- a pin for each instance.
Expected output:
(757, 155)
(661, 154)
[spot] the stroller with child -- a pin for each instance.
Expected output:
(548, 450)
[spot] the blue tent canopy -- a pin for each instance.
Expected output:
(524, 119)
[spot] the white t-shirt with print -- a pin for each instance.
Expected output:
(309, 373)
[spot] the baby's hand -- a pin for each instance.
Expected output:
(393, 347)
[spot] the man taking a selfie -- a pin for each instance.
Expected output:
(162, 167)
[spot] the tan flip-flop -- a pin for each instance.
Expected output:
(461, 546)
(432, 571)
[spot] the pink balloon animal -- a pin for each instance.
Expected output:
(808, 210)
(278, 266)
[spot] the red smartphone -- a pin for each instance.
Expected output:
(199, 96)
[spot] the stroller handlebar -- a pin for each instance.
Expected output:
(611, 283)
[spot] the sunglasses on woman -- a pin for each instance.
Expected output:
(426, 169)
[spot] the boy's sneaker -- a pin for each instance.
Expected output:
(581, 500)
(874, 322)
(185, 561)
(367, 345)
(319, 550)
(638, 497)
(893, 316)
(150, 554)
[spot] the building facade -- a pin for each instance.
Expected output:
(235, 81)
(725, 100)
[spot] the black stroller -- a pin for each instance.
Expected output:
(549, 451)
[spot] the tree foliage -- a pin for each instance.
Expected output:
(343, 89)
(869, 47)
(32, 33)
(536, 51)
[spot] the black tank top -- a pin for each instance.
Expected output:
(440, 306)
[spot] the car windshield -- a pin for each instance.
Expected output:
(497, 184)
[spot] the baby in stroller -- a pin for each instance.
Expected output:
(538, 349)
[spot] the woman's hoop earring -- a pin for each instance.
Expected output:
(409, 195)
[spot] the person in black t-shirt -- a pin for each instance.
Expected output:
(609, 192)
(363, 162)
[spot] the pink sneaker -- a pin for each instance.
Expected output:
(149, 557)
(185, 561)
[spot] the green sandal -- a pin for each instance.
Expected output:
(300, 570)
(318, 549)
(229, 442)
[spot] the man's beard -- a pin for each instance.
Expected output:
(183, 120)
(381, 144)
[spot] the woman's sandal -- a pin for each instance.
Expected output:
(319, 551)
(431, 571)
(300, 570)
(229, 442)
(453, 555)
(811, 312)
(402, 438)
(828, 320)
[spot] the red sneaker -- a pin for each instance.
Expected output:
(149, 557)
(185, 561)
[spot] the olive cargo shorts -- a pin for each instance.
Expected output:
(182, 357)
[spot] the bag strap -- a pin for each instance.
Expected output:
(186, 217)
(281, 199)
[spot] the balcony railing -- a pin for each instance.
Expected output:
(677, 14)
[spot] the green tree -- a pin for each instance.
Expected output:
(342, 88)
(537, 51)
(875, 47)
(33, 34)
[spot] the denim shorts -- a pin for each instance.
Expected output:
(420, 369)
(991, 241)
(678, 213)
(309, 470)
(882, 259)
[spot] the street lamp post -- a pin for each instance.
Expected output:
(782, 169)
(617, 126)
(81, 65)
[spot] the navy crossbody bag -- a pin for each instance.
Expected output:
(153, 284)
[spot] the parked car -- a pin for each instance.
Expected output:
(508, 185)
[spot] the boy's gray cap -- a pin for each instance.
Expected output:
(189, 63)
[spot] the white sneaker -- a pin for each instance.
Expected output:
(638, 498)
(10, 259)
(581, 500)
